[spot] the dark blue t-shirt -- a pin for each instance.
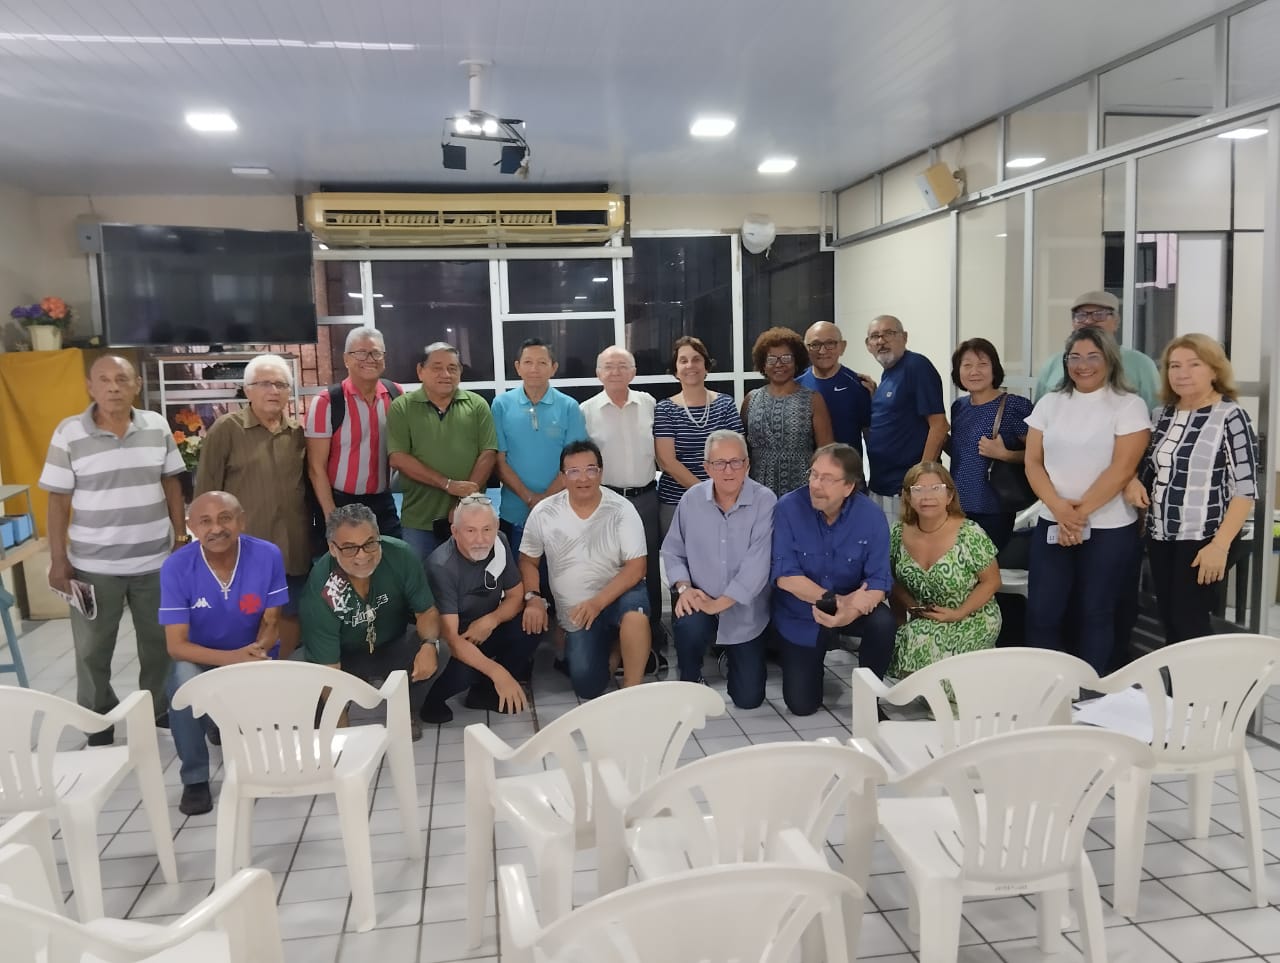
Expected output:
(969, 423)
(908, 394)
(848, 401)
(190, 594)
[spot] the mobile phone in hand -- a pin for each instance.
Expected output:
(919, 609)
(826, 604)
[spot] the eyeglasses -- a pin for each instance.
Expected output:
(367, 355)
(818, 346)
(370, 547)
(882, 336)
(476, 499)
(720, 464)
(591, 471)
(937, 489)
(827, 479)
(776, 360)
(1099, 314)
(273, 385)
(1078, 360)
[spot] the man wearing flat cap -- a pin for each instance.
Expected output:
(1100, 309)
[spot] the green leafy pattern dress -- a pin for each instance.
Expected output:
(946, 583)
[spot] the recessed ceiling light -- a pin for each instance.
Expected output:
(386, 304)
(1020, 162)
(251, 171)
(777, 165)
(712, 126)
(211, 121)
(1002, 235)
(375, 295)
(600, 280)
(354, 294)
(1243, 133)
(579, 297)
(323, 246)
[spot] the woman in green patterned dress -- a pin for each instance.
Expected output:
(945, 575)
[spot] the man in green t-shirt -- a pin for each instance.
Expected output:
(442, 441)
(359, 601)
(1101, 309)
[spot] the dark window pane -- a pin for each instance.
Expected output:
(577, 342)
(676, 286)
(485, 393)
(426, 301)
(580, 393)
(535, 287)
(793, 286)
(339, 292)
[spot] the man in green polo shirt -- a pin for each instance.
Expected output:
(359, 601)
(442, 442)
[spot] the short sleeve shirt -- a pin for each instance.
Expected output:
(532, 437)
(969, 424)
(358, 453)
(848, 401)
(908, 394)
(335, 617)
(688, 428)
(583, 554)
(218, 618)
(471, 590)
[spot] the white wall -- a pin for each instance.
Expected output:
(17, 224)
(723, 212)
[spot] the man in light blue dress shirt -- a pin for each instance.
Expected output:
(717, 557)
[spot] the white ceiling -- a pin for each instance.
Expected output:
(92, 92)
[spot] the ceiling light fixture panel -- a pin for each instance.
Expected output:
(1243, 133)
(1020, 163)
(712, 126)
(777, 165)
(211, 121)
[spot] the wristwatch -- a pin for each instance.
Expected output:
(182, 539)
(529, 596)
(681, 589)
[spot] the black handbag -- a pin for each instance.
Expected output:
(1008, 479)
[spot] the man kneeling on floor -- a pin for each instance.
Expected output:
(476, 582)
(220, 600)
(358, 603)
(596, 557)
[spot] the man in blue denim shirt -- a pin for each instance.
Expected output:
(830, 547)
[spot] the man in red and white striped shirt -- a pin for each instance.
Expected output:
(346, 429)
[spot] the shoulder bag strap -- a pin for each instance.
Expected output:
(995, 429)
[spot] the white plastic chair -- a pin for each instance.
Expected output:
(756, 913)
(272, 746)
(243, 912)
(995, 690)
(1199, 729)
(1017, 828)
(74, 786)
(643, 729)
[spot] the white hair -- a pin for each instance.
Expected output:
(362, 333)
(723, 434)
(267, 361)
(473, 506)
(615, 349)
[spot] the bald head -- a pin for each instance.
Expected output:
(216, 520)
(826, 345)
(113, 385)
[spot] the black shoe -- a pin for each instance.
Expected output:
(435, 714)
(657, 665)
(197, 799)
(162, 721)
(104, 738)
(482, 697)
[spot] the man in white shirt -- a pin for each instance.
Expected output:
(594, 543)
(620, 422)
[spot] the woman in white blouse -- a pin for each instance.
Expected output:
(1084, 444)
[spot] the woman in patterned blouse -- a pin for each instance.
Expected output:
(1198, 481)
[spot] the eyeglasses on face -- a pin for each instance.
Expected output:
(817, 347)
(370, 547)
(827, 479)
(720, 464)
(776, 360)
(1082, 360)
(617, 366)
(1098, 314)
(882, 336)
(591, 471)
(363, 355)
(272, 385)
(937, 489)
(476, 499)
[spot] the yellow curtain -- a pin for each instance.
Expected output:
(37, 390)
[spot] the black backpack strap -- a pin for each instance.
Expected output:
(392, 388)
(337, 407)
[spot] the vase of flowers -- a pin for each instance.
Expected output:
(45, 320)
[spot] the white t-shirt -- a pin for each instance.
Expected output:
(1079, 441)
(583, 554)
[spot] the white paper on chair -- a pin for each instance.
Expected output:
(1128, 712)
(81, 598)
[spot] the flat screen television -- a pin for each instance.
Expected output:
(206, 286)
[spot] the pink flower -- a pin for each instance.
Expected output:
(56, 308)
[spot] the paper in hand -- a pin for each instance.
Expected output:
(80, 598)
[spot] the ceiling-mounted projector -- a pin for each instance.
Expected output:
(479, 124)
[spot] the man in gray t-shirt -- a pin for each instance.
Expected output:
(475, 579)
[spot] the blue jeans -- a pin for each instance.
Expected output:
(802, 664)
(422, 540)
(695, 632)
(1085, 582)
(587, 650)
(188, 732)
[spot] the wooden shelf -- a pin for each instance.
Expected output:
(17, 554)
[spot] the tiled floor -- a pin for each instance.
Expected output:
(1194, 907)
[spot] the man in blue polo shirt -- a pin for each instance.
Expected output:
(831, 568)
(908, 417)
(848, 398)
(220, 600)
(534, 422)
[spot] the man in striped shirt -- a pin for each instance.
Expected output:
(117, 469)
(348, 463)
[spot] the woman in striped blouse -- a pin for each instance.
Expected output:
(1198, 481)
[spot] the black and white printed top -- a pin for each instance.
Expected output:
(1196, 463)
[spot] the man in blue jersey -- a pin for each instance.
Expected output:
(847, 393)
(220, 601)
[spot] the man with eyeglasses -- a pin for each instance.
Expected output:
(717, 556)
(1101, 309)
(475, 579)
(908, 416)
(620, 421)
(440, 439)
(259, 455)
(220, 603)
(346, 429)
(832, 573)
(360, 600)
(594, 545)
(847, 393)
